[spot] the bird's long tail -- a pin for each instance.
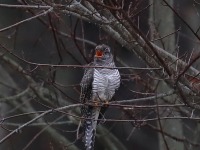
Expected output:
(90, 127)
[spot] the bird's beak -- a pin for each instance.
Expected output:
(98, 54)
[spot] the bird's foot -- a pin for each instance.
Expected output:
(106, 103)
(96, 103)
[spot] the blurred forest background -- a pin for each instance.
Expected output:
(44, 45)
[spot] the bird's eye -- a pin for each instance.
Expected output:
(107, 49)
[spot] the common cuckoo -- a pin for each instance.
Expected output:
(98, 86)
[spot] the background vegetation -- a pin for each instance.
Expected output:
(44, 46)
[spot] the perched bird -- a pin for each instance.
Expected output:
(98, 86)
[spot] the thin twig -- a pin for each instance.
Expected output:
(28, 19)
(146, 98)
(36, 118)
(25, 6)
(73, 66)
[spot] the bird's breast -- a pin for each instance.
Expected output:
(105, 83)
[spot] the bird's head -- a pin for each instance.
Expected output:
(103, 53)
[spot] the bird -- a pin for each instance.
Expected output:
(98, 86)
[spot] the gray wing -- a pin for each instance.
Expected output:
(86, 87)
(90, 113)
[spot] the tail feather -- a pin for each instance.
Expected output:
(90, 127)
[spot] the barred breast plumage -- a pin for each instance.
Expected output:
(106, 81)
(97, 85)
